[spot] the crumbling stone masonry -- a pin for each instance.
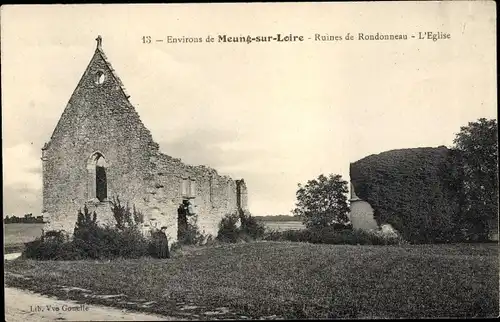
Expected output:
(101, 149)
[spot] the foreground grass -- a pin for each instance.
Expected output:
(288, 280)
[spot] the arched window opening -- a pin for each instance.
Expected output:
(100, 179)
(97, 177)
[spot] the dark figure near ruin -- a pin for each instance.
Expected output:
(184, 210)
(161, 243)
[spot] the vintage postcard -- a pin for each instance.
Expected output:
(246, 161)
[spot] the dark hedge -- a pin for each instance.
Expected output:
(418, 191)
(332, 236)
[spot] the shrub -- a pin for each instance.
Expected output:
(114, 243)
(86, 234)
(175, 247)
(93, 241)
(124, 216)
(191, 235)
(138, 216)
(251, 227)
(123, 240)
(54, 235)
(50, 249)
(328, 235)
(228, 229)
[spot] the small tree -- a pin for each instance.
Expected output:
(86, 233)
(478, 144)
(124, 216)
(191, 235)
(85, 221)
(251, 226)
(322, 202)
(138, 216)
(228, 229)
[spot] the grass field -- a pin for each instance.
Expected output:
(282, 280)
(15, 235)
(283, 225)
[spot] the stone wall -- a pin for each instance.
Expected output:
(99, 120)
(242, 195)
(214, 196)
(361, 215)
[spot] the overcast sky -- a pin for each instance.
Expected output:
(275, 114)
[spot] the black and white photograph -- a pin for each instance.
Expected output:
(250, 161)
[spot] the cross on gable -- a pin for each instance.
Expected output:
(99, 41)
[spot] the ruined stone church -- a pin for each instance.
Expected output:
(100, 149)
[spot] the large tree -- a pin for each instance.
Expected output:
(478, 144)
(322, 202)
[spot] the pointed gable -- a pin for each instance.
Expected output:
(110, 68)
(99, 94)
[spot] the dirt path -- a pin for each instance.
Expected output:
(11, 256)
(26, 306)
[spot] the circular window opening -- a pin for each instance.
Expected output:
(100, 78)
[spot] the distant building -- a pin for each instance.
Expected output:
(101, 149)
(361, 214)
(415, 182)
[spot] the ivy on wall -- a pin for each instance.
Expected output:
(418, 191)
